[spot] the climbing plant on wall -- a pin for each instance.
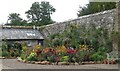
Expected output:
(76, 35)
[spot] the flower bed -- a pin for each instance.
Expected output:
(62, 56)
(76, 44)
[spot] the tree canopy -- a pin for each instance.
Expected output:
(15, 19)
(39, 13)
(94, 7)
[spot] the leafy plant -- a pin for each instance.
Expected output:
(32, 57)
(25, 51)
(11, 48)
(5, 53)
(99, 56)
(112, 55)
(64, 59)
(103, 49)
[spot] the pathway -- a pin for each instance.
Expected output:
(14, 64)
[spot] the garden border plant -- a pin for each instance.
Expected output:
(77, 43)
(10, 50)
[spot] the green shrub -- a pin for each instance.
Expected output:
(23, 55)
(113, 55)
(99, 56)
(5, 53)
(118, 61)
(64, 59)
(50, 59)
(16, 53)
(103, 49)
(11, 48)
(24, 52)
(32, 57)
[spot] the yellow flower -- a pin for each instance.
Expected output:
(82, 45)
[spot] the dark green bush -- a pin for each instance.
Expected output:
(11, 48)
(99, 56)
(103, 49)
(5, 54)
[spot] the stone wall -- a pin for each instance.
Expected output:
(105, 19)
(118, 28)
(118, 14)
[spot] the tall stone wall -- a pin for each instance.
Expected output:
(118, 15)
(105, 19)
(118, 27)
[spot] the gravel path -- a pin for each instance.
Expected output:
(14, 64)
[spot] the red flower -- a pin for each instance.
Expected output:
(53, 51)
(71, 51)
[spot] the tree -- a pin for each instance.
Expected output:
(15, 19)
(94, 7)
(39, 13)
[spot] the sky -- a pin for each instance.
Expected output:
(65, 9)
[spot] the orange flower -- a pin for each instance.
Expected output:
(61, 49)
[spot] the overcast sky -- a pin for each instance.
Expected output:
(65, 9)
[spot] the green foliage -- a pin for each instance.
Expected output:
(64, 59)
(10, 49)
(95, 43)
(4, 46)
(42, 57)
(99, 56)
(103, 49)
(24, 47)
(94, 7)
(39, 13)
(25, 51)
(23, 55)
(84, 55)
(115, 36)
(53, 40)
(32, 57)
(5, 53)
(51, 58)
(56, 42)
(112, 55)
(75, 35)
(80, 55)
(16, 20)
